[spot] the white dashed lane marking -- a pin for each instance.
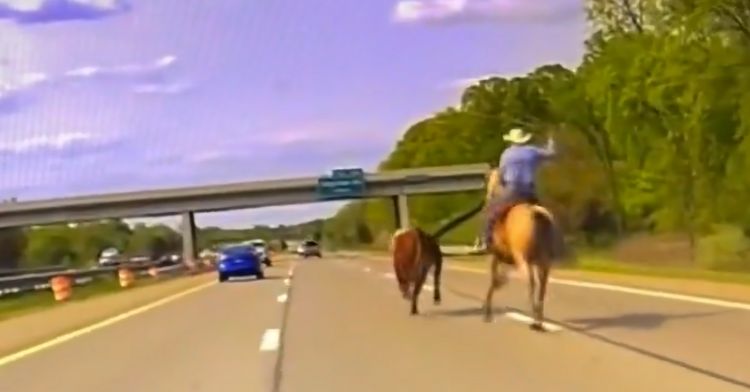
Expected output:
(270, 340)
(520, 317)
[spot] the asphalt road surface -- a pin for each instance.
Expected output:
(340, 325)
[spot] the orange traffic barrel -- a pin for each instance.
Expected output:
(62, 287)
(153, 271)
(127, 278)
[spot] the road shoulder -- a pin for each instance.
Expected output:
(33, 328)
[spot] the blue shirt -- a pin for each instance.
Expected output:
(518, 165)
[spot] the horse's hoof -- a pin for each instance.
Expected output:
(538, 327)
(437, 301)
(488, 318)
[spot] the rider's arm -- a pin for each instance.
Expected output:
(548, 151)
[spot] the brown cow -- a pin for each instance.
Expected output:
(414, 252)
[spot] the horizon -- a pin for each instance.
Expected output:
(127, 95)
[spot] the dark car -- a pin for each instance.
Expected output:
(169, 260)
(239, 260)
(309, 248)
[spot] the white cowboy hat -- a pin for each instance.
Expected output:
(517, 135)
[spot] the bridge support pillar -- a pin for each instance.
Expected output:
(401, 207)
(189, 251)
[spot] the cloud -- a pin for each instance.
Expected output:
(467, 11)
(50, 11)
(156, 67)
(55, 142)
(162, 89)
(464, 83)
(13, 90)
(147, 78)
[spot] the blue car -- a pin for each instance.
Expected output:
(239, 260)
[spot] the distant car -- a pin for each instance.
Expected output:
(109, 257)
(141, 259)
(309, 248)
(169, 260)
(239, 260)
(261, 248)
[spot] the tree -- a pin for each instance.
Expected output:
(50, 246)
(12, 245)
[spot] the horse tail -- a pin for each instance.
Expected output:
(548, 241)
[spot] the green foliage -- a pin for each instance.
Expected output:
(651, 130)
(726, 249)
(12, 244)
(50, 246)
(153, 241)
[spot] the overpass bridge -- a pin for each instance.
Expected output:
(396, 185)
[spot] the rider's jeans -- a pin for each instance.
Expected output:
(510, 195)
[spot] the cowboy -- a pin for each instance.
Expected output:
(517, 172)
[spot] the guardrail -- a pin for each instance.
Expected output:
(25, 271)
(41, 281)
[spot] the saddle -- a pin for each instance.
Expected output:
(497, 212)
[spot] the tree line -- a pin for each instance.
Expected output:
(79, 245)
(651, 129)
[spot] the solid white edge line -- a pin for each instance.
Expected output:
(98, 325)
(529, 320)
(631, 290)
(282, 298)
(653, 293)
(270, 340)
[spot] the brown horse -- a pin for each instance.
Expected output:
(414, 252)
(527, 237)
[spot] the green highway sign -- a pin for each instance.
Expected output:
(348, 173)
(342, 184)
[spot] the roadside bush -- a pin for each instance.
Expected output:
(725, 249)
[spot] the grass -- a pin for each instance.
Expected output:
(16, 305)
(600, 263)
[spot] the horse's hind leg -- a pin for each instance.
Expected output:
(417, 288)
(436, 297)
(532, 288)
(497, 280)
(542, 273)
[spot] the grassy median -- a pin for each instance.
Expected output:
(14, 305)
(597, 263)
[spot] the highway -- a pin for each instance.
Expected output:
(340, 325)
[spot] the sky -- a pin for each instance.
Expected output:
(100, 96)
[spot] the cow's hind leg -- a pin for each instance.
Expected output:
(403, 285)
(436, 297)
(421, 276)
